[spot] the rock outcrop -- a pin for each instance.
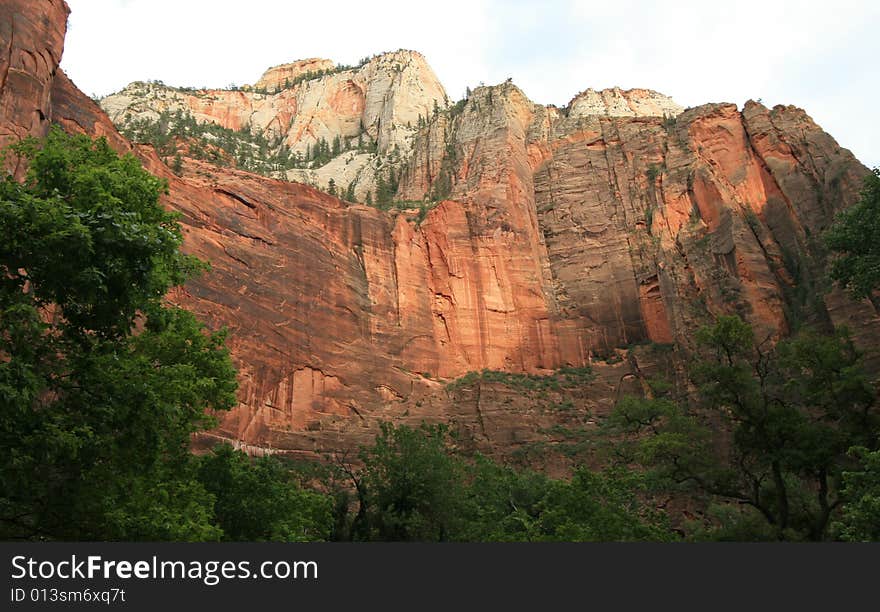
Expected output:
(32, 42)
(299, 105)
(596, 235)
(278, 77)
(619, 103)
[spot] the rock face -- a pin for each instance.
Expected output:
(618, 103)
(281, 76)
(384, 96)
(596, 234)
(380, 102)
(32, 42)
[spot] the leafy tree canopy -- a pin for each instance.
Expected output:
(767, 435)
(860, 518)
(101, 384)
(855, 237)
(413, 485)
(260, 500)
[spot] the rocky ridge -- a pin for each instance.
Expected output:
(376, 106)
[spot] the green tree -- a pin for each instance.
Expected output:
(507, 505)
(501, 504)
(860, 520)
(101, 384)
(769, 433)
(442, 186)
(383, 192)
(331, 187)
(855, 237)
(259, 500)
(177, 164)
(412, 484)
(600, 507)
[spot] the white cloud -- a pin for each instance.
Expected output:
(817, 55)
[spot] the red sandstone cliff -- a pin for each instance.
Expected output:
(568, 235)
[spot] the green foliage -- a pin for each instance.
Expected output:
(177, 164)
(424, 207)
(770, 428)
(804, 297)
(349, 192)
(465, 380)
(726, 522)
(855, 238)
(218, 145)
(564, 377)
(441, 188)
(159, 507)
(414, 486)
(727, 340)
(575, 376)
(318, 155)
(600, 507)
(504, 505)
(659, 434)
(86, 231)
(443, 183)
(259, 500)
(753, 221)
(860, 519)
(456, 109)
(385, 189)
(311, 75)
(95, 419)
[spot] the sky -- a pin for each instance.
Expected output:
(820, 56)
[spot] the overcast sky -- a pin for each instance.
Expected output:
(821, 56)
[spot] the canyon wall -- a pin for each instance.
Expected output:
(597, 235)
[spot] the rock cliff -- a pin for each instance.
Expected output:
(32, 43)
(595, 235)
(374, 108)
